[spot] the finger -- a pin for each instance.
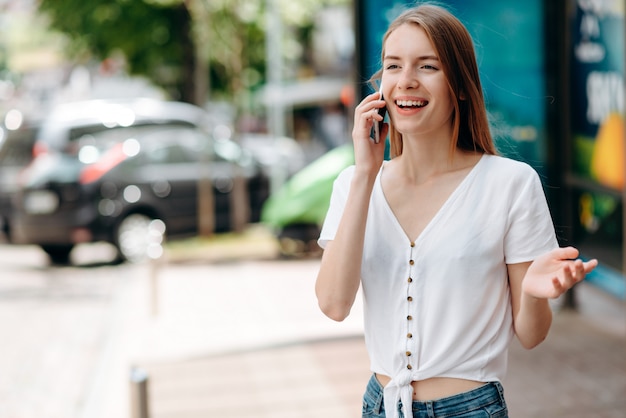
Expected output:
(370, 103)
(568, 273)
(575, 269)
(570, 276)
(558, 287)
(376, 116)
(590, 265)
(371, 113)
(366, 119)
(565, 253)
(367, 100)
(578, 270)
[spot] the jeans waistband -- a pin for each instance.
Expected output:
(483, 396)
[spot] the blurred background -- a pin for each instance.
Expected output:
(165, 166)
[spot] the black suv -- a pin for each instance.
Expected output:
(106, 171)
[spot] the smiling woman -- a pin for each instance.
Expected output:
(452, 245)
(454, 63)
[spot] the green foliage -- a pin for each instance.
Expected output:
(236, 49)
(165, 39)
(153, 38)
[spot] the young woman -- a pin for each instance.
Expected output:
(453, 245)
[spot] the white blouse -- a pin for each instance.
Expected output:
(440, 306)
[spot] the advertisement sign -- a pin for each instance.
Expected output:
(508, 38)
(597, 125)
(597, 91)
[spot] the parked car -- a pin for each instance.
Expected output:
(277, 155)
(108, 176)
(297, 210)
(68, 122)
(16, 152)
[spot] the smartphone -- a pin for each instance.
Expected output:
(382, 111)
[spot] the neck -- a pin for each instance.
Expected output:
(425, 158)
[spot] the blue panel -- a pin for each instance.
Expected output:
(508, 37)
(609, 280)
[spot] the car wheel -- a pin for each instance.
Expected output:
(4, 230)
(139, 237)
(59, 254)
(299, 240)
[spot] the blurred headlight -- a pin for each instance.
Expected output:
(40, 202)
(88, 154)
(13, 120)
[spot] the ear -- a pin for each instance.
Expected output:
(462, 96)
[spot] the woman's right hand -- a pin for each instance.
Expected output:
(367, 154)
(339, 276)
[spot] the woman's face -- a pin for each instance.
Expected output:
(415, 86)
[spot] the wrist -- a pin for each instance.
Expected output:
(531, 300)
(364, 175)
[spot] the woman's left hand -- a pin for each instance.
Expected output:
(552, 274)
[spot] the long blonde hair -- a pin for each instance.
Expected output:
(455, 49)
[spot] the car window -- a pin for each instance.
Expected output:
(167, 154)
(157, 144)
(184, 144)
(104, 137)
(17, 147)
(154, 143)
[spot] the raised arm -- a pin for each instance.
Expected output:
(533, 284)
(340, 270)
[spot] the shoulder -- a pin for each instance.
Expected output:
(507, 169)
(344, 178)
(346, 174)
(508, 164)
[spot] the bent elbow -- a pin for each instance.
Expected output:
(334, 312)
(337, 316)
(529, 344)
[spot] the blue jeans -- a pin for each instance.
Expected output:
(483, 402)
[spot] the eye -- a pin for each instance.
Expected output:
(391, 67)
(429, 67)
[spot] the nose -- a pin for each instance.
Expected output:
(408, 79)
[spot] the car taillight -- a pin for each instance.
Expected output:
(39, 148)
(94, 171)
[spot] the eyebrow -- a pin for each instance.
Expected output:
(421, 58)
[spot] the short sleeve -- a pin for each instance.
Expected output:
(530, 231)
(341, 187)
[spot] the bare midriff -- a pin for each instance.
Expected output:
(436, 387)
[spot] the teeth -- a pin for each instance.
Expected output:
(412, 103)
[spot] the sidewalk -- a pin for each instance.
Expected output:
(580, 371)
(244, 338)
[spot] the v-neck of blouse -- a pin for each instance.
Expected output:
(440, 212)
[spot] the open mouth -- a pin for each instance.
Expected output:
(407, 104)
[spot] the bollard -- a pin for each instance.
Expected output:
(239, 203)
(154, 287)
(139, 393)
(155, 251)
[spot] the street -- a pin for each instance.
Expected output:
(53, 322)
(71, 334)
(207, 323)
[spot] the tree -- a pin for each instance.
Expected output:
(175, 43)
(154, 38)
